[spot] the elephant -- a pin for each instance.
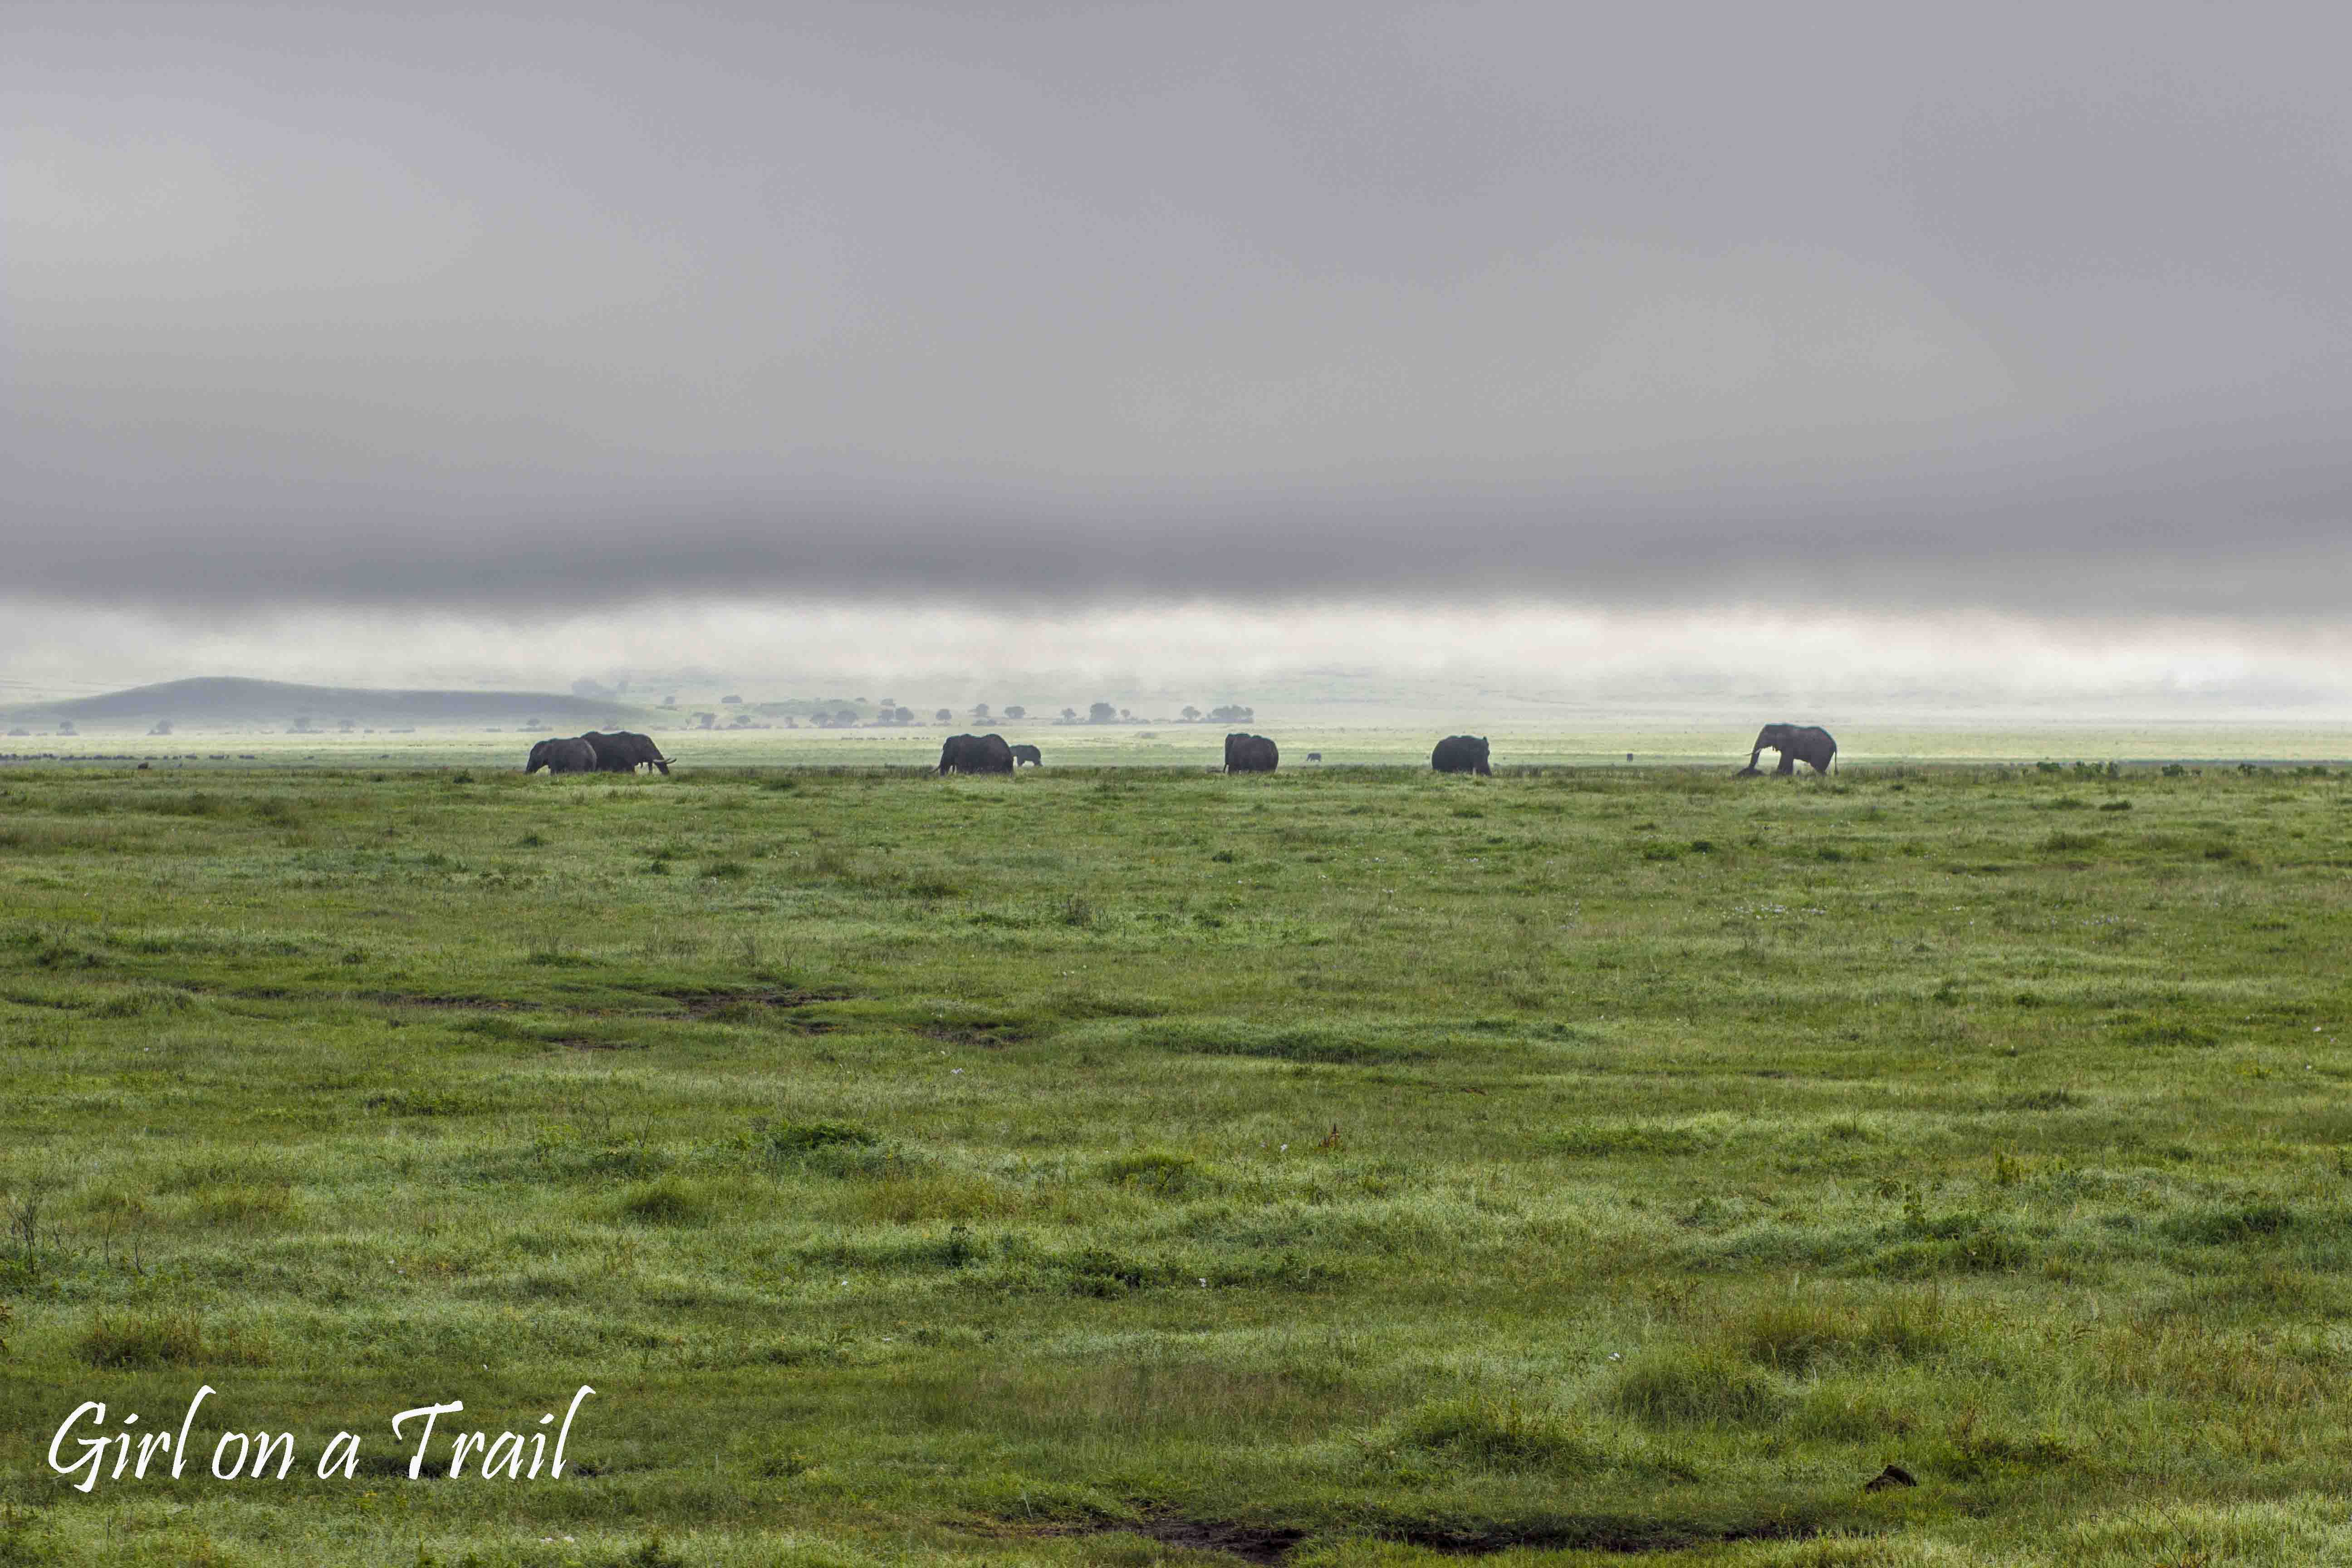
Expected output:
(975, 755)
(624, 751)
(575, 756)
(1808, 744)
(1029, 754)
(1461, 754)
(1250, 754)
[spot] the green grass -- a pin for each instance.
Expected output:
(1121, 1166)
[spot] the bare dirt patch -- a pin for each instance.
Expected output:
(1264, 1542)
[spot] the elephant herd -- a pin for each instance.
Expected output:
(624, 753)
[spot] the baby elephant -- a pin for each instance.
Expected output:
(575, 756)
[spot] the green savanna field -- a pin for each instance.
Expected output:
(1115, 1166)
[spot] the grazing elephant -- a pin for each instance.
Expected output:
(625, 750)
(1461, 754)
(1029, 754)
(1808, 744)
(1250, 754)
(561, 757)
(975, 755)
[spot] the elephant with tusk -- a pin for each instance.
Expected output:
(625, 750)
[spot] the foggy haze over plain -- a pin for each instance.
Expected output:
(1827, 351)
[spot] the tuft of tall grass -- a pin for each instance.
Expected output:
(1505, 1434)
(1694, 1385)
(665, 1200)
(134, 1339)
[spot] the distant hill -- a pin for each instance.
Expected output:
(222, 702)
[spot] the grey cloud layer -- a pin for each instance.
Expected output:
(2005, 307)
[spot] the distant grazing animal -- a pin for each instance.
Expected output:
(975, 755)
(1808, 744)
(1029, 754)
(1314, 756)
(1461, 754)
(573, 756)
(1250, 754)
(625, 751)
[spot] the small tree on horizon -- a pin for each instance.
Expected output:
(944, 716)
(1191, 714)
(1015, 710)
(1102, 713)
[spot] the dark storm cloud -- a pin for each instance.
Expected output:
(2033, 309)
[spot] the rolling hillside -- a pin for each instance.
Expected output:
(216, 703)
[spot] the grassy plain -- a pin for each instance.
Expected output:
(1113, 1166)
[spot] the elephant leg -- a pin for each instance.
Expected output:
(1788, 765)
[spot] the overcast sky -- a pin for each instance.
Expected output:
(326, 316)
